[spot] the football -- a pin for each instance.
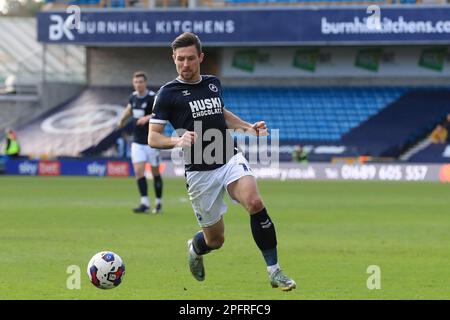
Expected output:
(106, 270)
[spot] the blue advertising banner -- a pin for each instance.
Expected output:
(413, 172)
(394, 25)
(69, 167)
(22, 167)
(83, 168)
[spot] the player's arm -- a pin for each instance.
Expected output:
(125, 115)
(234, 122)
(144, 120)
(157, 139)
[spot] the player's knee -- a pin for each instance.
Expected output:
(139, 174)
(255, 204)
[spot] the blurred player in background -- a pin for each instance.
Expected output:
(190, 98)
(139, 107)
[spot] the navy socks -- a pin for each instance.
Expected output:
(265, 237)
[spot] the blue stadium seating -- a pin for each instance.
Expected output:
(375, 121)
(118, 3)
(398, 126)
(310, 114)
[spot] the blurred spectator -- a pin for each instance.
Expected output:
(439, 134)
(299, 155)
(12, 147)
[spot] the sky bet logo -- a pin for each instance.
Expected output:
(28, 168)
(96, 169)
(61, 27)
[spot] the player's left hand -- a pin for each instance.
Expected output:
(260, 128)
(142, 121)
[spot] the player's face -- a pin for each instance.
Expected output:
(187, 61)
(139, 84)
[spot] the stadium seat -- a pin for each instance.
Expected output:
(312, 114)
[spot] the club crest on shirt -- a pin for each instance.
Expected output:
(213, 87)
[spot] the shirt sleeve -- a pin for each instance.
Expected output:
(161, 108)
(219, 87)
(149, 106)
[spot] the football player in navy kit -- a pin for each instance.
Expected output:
(193, 103)
(139, 108)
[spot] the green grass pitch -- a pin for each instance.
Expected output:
(328, 234)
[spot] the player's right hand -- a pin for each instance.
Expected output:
(259, 129)
(187, 139)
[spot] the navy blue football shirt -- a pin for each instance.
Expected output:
(191, 106)
(141, 106)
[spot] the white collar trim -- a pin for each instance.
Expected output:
(179, 80)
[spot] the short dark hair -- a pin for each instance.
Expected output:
(187, 39)
(139, 74)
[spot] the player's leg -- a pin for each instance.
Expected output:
(206, 194)
(139, 171)
(208, 239)
(158, 186)
(139, 157)
(245, 191)
(154, 160)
